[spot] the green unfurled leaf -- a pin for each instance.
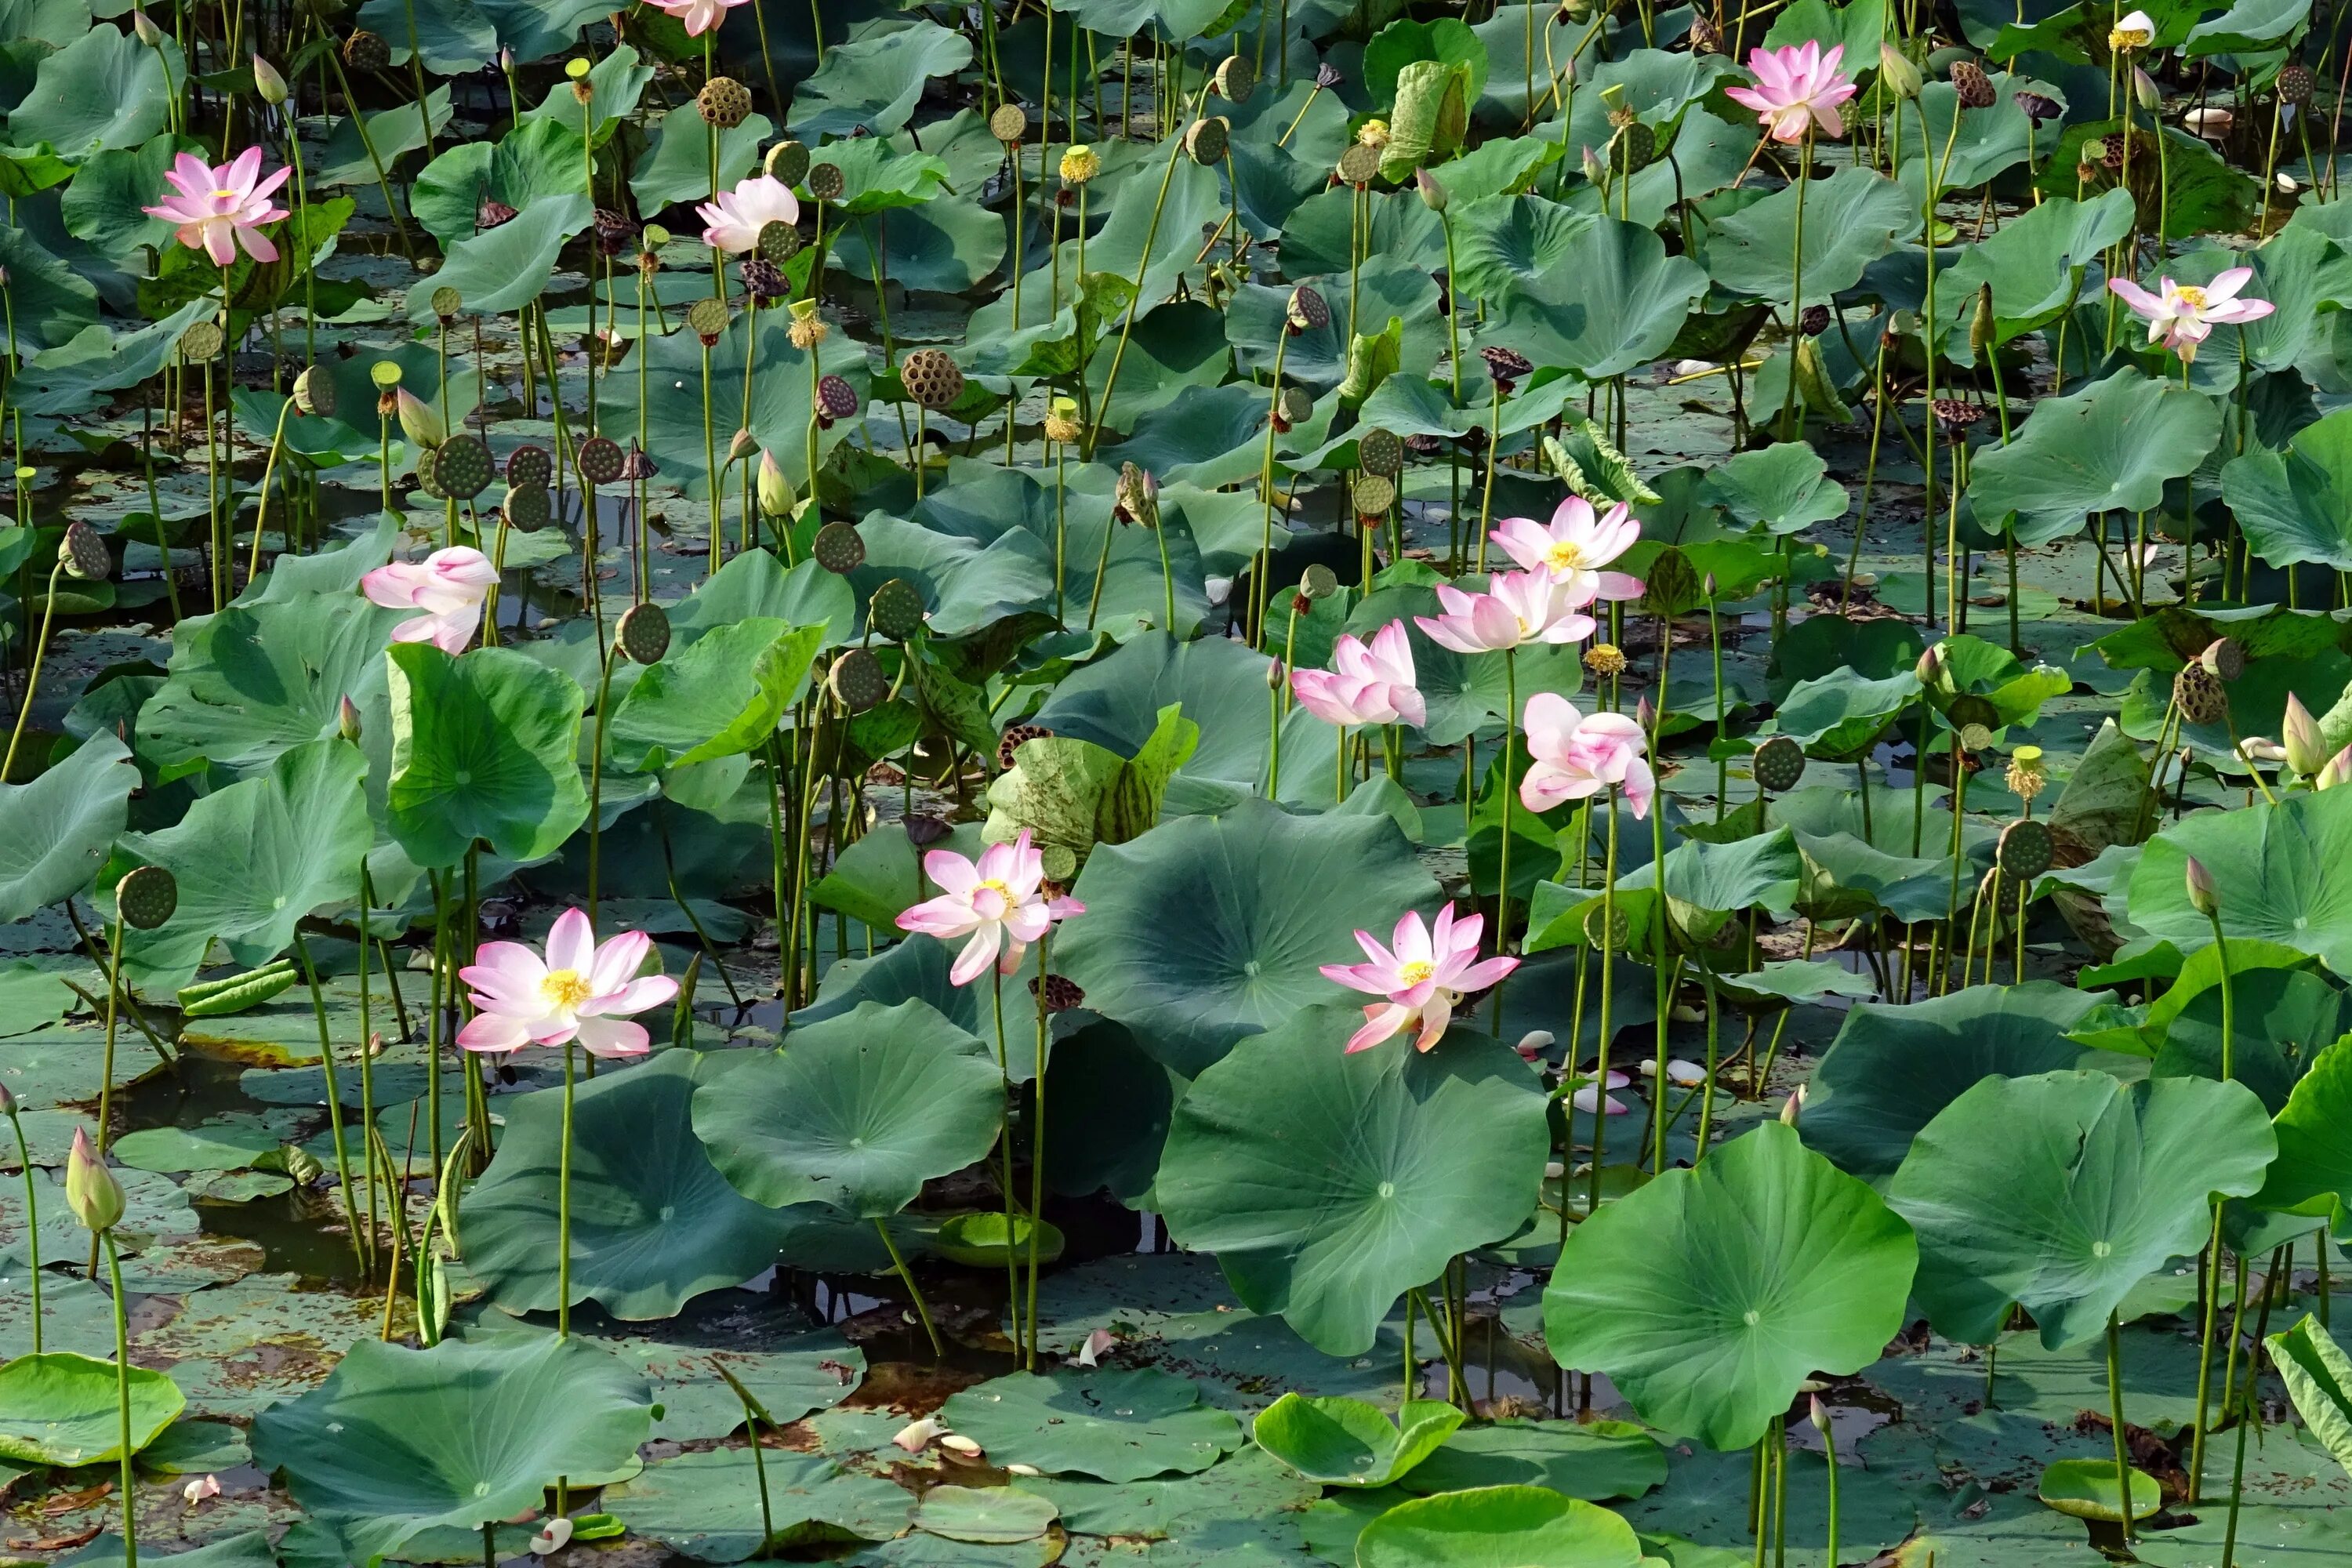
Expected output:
(55, 830)
(721, 696)
(484, 749)
(2108, 448)
(1341, 1442)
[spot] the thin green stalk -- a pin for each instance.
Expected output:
(1005, 1150)
(1502, 875)
(129, 1485)
(564, 1205)
(2115, 1415)
(1036, 1154)
(334, 1095)
(32, 1224)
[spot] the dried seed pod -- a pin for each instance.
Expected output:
(2038, 109)
(1377, 451)
(1953, 415)
(836, 399)
(1061, 993)
(642, 634)
(1009, 745)
(147, 897)
(638, 465)
(1778, 765)
(724, 102)
(1507, 366)
(787, 160)
(614, 231)
(1371, 495)
(2026, 850)
(601, 460)
(314, 392)
(1009, 123)
(85, 554)
(857, 680)
(839, 548)
(2225, 657)
(706, 319)
(203, 340)
(763, 280)
(2296, 83)
(1307, 311)
(1208, 140)
(528, 508)
(896, 610)
(932, 378)
(2198, 692)
(489, 213)
(1973, 87)
(825, 182)
(366, 51)
(462, 466)
(778, 243)
(530, 467)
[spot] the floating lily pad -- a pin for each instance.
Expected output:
(1113, 1426)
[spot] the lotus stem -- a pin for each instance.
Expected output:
(1608, 989)
(1264, 572)
(1502, 875)
(129, 1484)
(564, 1210)
(33, 1223)
(32, 685)
(360, 1239)
(1005, 1150)
(2115, 1417)
(1036, 1153)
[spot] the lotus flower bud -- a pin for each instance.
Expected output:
(1643, 714)
(267, 82)
(91, 1189)
(2200, 889)
(2337, 770)
(2299, 733)
(1930, 668)
(1432, 194)
(1981, 324)
(1818, 1412)
(2144, 89)
(418, 422)
(506, 58)
(1897, 73)
(1792, 1107)
(776, 497)
(347, 721)
(8, 1102)
(741, 447)
(148, 32)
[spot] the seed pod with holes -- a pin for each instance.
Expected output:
(447, 302)
(839, 548)
(763, 280)
(1377, 451)
(1009, 746)
(601, 458)
(825, 182)
(932, 378)
(724, 102)
(1292, 405)
(1008, 122)
(1206, 141)
(1319, 581)
(2199, 695)
(1371, 495)
(1235, 79)
(462, 464)
(1633, 148)
(2026, 850)
(613, 230)
(857, 680)
(1359, 164)
(427, 479)
(1778, 765)
(787, 160)
(314, 393)
(836, 399)
(530, 467)
(778, 243)
(1136, 496)
(2296, 83)
(896, 610)
(200, 343)
(706, 319)
(147, 897)
(1972, 86)
(1307, 311)
(364, 51)
(85, 553)
(2225, 657)
(527, 508)
(642, 634)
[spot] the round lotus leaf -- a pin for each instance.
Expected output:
(1266, 898)
(1116, 1426)
(987, 1516)
(462, 466)
(715, 1506)
(529, 507)
(1596, 1460)
(654, 1223)
(1380, 1166)
(858, 681)
(200, 341)
(896, 610)
(1341, 1442)
(601, 459)
(61, 1409)
(643, 633)
(1495, 1527)
(397, 1443)
(2087, 1489)
(859, 1112)
(1778, 765)
(2060, 1191)
(839, 548)
(1710, 1295)
(981, 1239)
(530, 467)
(1378, 451)
(147, 897)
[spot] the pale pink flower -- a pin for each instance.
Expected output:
(734, 218)
(1425, 973)
(449, 586)
(1572, 548)
(218, 209)
(582, 990)
(2338, 771)
(1795, 86)
(1370, 685)
(1000, 904)
(200, 1490)
(699, 16)
(1517, 607)
(2184, 314)
(1588, 1097)
(1577, 755)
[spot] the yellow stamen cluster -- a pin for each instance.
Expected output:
(564, 988)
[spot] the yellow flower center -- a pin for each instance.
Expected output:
(224, 196)
(1415, 972)
(1564, 557)
(564, 988)
(2190, 295)
(2128, 38)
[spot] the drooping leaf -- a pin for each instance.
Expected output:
(1339, 1442)
(55, 830)
(61, 1409)
(484, 748)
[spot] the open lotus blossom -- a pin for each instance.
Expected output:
(218, 209)
(999, 904)
(1576, 755)
(2183, 315)
(447, 585)
(1797, 87)
(1517, 607)
(1589, 1099)
(699, 16)
(1372, 683)
(733, 220)
(1572, 548)
(582, 990)
(1425, 973)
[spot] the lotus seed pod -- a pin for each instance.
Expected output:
(2027, 776)
(1207, 141)
(447, 302)
(530, 467)
(839, 548)
(1897, 73)
(836, 399)
(92, 1192)
(1292, 405)
(1136, 496)
(2225, 657)
(807, 329)
(146, 897)
(896, 610)
(1609, 929)
(1009, 123)
(1605, 659)
(200, 341)
(1319, 581)
(1008, 746)
(1778, 765)
(314, 393)
(643, 633)
(1061, 993)
(763, 280)
(528, 508)
(85, 553)
(426, 479)
(778, 243)
(1377, 451)
(490, 213)
(1971, 85)
(637, 465)
(1307, 311)
(462, 464)
(2026, 850)
(347, 720)
(267, 82)
(1371, 495)
(2296, 83)
(1235, 79)
(364, 51)
(857, 680)
(706, 319)
(600, 459)
(1507, 366)
(1633, 148)
(1359, 164)
(724, 102)
(2202, 896)
(1079, 165)
(787, 160)
(1061, 425)
(2037, 107)
(932, 379)
(1059, 861)
(2199, 695)
(825, 182)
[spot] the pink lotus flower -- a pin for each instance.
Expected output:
(218, 209)
(1517, 607)
(582, 990)
(1796, 86)
(699, 16)
(1576, 755)
(1000, 904)
(1372, 685)
(1589, 1099)
(1424, 973)
(2184, 315)
(734, 219)
(1572, 548)
(449, 586)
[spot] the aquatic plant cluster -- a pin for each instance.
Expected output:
(1175, 782)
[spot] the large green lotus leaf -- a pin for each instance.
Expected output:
(54, 302)
(1893, 1068)
(1612, 303)
(2295, 504)
(2248, 27)
(1257, 322)
(2315, 1159)
(1710, 1295)
(255, 680)
(870, 84)
(1335, 1441)
(1177, 20)
(504, 269)
(1505, 244)
(755, 584)
(615, 83)
(879, 176)
(652, 1222)
(944, 247)
(1849, 221)
(2318, 1378)
(1595, 1460)
(102, 207)
(536, 28)
(1784, 487)
(1984, 142)
(398, 1442)
(1379, 1166)
(31, 996)
(2032, 263)
(62, 379)
(54, 831)
(2108, 448)
(484, 748)
(858, 1113)
(1840, 715)
(61, 1409)
(538, 158)
(393, 131)
(1115, 1425)
(880, 876)
(721, 696)
(1498, 1527)
(676, 165)
(1244, 953)
(2061, 1191)
(708, 1506)
(2281, 1023)
(247, 1549)
(2282, 874)
(1403, 41)
(105, 90)
(1117, 703)
(298, 831)
(451, 37)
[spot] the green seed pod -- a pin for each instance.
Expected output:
(2027, 850)
(200, 341)
(825, 182)
(528, 508)
(1359, 164)
(238, 993)
(601, 458)
(1009, 123)
(530, 467)
(427, 479)
(85, 554)
(840, 549)
(1378, 451)
(1778, 765)
(1371, 495)
(787, 160)
(706, 319)
(446, 303)
(896, 610)
(146, 897)
(314, 393)
(1208, 140)
(857, 680)
(778, 243)
(463, 468)
(642, 634)
(1236, 78)
(1319, 581)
